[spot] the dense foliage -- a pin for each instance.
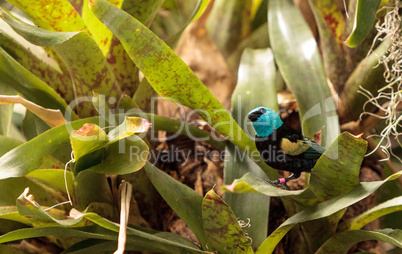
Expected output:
(79, 171)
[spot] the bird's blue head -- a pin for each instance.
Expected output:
(264, 121)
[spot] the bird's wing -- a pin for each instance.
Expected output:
(308, 148)
(314, 151)
(294, 148)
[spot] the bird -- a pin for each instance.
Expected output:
(282, 147)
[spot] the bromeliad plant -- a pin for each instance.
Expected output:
(99, 46)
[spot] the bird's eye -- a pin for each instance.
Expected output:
(263, 111)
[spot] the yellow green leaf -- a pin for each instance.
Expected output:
(57, 15)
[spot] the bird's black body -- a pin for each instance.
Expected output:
(272, 154)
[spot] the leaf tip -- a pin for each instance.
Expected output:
(359, 136)
(318, 136)
(230, 187)
(75, 214)
(88, 129)
(146, 125)
(348, 42)
(26, 199)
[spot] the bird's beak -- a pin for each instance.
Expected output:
(253, 116)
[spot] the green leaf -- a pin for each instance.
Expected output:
(92, 246)
(33, 126)
(341, 243)
(6, 111)
(87, 186)
(144, 12)
(258, 39)
(222, 230)
(255, 6)
(99, 246)
(337, 171)
(99, 31)
(12, 164)
(87, 65)
(166, 72)
(227, 16)
(372, 214)
(117, 157)
(365, 16)
(198, 11)
(136, 238)
(126, 103)
(367, 74)
(184, 201)
(52, 163)
(10, 214)
(103, 107)
(331, 27)
(53, 178)
(125, 70)
(48, 73)
(256, 73)
(123, 66)
(13, 187)
(12, 74)
(302, 69)
(57, 15)
(86, 232)
(322, 210)
(7, 144)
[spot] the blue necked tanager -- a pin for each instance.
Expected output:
(282, 147)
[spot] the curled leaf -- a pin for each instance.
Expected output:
(88, 138)
(12, 164)
(51, 116)
(130, 126)
(27, 206)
